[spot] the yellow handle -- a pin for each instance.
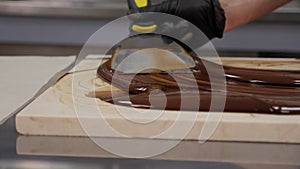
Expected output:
(141, 3)
(144, 29)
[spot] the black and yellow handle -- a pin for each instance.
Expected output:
(141, 27)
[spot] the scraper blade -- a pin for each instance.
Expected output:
(151, 60)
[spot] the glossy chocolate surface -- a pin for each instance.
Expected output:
(248, 90)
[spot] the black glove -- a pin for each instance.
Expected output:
(207, 15)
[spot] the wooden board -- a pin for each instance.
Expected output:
(53, 113)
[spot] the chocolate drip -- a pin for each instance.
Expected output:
(248, 90)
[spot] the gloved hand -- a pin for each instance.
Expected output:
(207, 15)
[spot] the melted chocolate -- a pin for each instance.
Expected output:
(248, 90)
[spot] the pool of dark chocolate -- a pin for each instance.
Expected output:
(247, 90)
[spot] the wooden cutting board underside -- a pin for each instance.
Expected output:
(53, 113)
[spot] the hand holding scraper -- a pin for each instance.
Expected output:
(211, 17)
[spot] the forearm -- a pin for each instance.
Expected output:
(239, 12)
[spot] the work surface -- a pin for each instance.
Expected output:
(22, 77)
(61, 111)
(18, 151)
